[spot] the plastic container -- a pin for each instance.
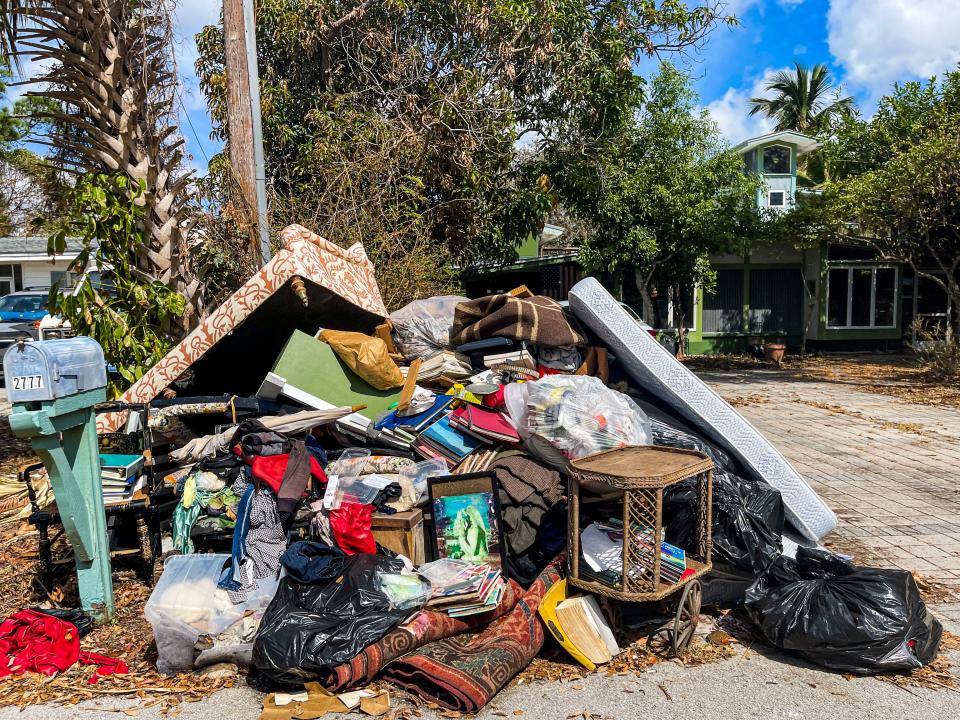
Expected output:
(187, 604)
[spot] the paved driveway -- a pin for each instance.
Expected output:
(888, 468)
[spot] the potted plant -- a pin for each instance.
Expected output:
(774, 351)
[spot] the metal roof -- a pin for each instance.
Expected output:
(804, 143)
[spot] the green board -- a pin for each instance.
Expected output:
(313, 367)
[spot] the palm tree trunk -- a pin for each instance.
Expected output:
(114, 73)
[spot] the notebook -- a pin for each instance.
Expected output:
(442, 437)
(119, 467)
(487, 425)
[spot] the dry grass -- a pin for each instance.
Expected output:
(129, 638)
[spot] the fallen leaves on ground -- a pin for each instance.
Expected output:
(949, 641)
(937, 675)
(894, 375)
(931, 590)
(129, 638)
(746, 400)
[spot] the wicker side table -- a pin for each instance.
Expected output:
(635, 478)
(639, 475)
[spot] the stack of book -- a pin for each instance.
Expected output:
(579, 626)
(521, 358)
(602, 550)
(120, 477)
(443, 441)
(461, 589)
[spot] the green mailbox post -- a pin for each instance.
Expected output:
(54, 386)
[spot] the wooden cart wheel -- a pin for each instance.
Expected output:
(687, 618)
(674, 636)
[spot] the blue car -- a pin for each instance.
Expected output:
(23, 306)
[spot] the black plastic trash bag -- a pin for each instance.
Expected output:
(748, 519)
(319, 619)
(848, 618)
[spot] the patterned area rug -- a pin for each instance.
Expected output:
(464, 672)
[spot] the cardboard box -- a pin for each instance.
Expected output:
(401, 532)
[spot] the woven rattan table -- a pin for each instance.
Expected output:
(638, 476)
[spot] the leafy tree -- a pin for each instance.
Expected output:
(29, 187)
(401, 122)
(663, 196)
(108, 91)
(804, 100)
(126, 315)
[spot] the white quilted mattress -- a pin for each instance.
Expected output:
(659, 373)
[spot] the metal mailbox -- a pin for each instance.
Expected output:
(53, 369)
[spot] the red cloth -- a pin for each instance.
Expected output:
(31, 641)
(270, 469)
(351, 526)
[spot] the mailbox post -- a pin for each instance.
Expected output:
(54, 386)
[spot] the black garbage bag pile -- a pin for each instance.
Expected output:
(327, 609)
(748, 520)
(844, 617)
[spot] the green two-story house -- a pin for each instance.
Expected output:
(836, 297)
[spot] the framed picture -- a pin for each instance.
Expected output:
(466, 518)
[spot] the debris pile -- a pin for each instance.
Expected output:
(425, 498)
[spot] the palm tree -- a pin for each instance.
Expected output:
(805, 100)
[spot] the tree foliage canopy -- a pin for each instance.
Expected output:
(664, 194)
(898, 190)
(417, 111)
(805, 100)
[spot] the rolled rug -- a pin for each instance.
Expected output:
(425, 627)
(464, 672)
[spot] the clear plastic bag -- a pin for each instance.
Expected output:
(342, 474)
(422, 328)
(186, 603)
(579, 415)
(420, 473)
(405, 590)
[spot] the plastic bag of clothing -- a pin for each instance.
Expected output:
(187, 603)
(422, 328)
(847, 618)
(365, 355)
(327, 609)
(579, 415)
(748, 518)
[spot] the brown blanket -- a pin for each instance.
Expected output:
(465, 672)
(536, 319)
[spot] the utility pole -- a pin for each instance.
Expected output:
(243, 120)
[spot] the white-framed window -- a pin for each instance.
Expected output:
(11, 279)
(776, 199)
(776, 160)
(862, 296)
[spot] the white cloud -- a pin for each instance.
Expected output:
(789, 4)
(731, 111)
(879, 42)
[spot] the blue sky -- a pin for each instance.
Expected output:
(868, 44)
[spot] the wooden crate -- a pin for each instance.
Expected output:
(401, 532)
